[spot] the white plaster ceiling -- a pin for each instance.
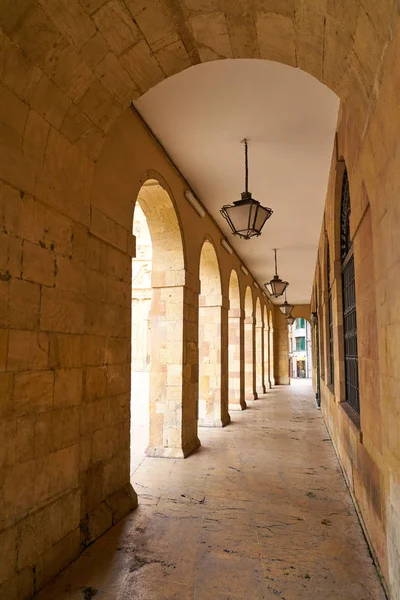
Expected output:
(201, 115)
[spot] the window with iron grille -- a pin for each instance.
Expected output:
(330, 319)
(349, 300)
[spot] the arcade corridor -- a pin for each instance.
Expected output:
(260, 140)
(261, 511)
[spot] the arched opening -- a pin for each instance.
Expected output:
(267, 380)
(259, 333)
(213, 343)
(300, 349)
(235, 346)
(249, 347)
(141, 331)
(157, 326)
(271, 349)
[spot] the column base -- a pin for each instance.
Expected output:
(214, 422)
(164, 452)
(251, 396)
(261, 391)
(238, 406)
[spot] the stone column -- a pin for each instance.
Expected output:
(236, 359)
(260, 386)
(213, 362)
(281, 350)
(271, 356)
(249, 359)
(267, 358)
(174, 360)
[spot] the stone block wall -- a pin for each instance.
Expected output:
(368, 444)
(65, 327)
(75, 160)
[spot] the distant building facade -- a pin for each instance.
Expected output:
(300, 362)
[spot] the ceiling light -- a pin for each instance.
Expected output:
(227, 247)
(286, 308)
(246, 217)
(198, 207)
(276, 285)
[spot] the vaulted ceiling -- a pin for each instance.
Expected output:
(201, 115)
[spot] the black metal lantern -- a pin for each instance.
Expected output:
(314, 318)
(246, 217)
(290, 320)
(276, 286)
(286, 308)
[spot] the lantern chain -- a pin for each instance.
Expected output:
(246, 163)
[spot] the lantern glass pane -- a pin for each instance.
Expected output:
(261, 216)
(239, 216)
(286, 308)
(289, 309)
(278, 286)
(269, 289)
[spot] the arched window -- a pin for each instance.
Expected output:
(349, 300)
(330, 316)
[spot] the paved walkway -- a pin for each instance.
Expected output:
(260, 512)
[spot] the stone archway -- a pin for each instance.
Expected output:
(271, 349)
(267, 350)
(259, 347)
(249, 347)
(213, 342)
(166, 322)
(236, 346)
(122, 49)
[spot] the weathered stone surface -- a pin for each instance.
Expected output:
(75, 160)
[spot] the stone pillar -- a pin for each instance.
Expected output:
(236, 359)
(213, 361)
(267, 358)
(281, 350)
(271, 356)
(260, 386)
(250, 392)
(173, 373)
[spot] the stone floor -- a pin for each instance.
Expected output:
(260, 512)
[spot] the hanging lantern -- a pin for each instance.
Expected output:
(290, 320)
(286, 308)
(246, 217)
(276, 286)
(314, 318)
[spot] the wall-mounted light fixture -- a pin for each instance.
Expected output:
(314, 318)
(198, 207)
(227, 247)
(243, 268)
(246, 217)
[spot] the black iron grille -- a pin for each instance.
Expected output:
(331, 361)
(330, 319)
(350, 334)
